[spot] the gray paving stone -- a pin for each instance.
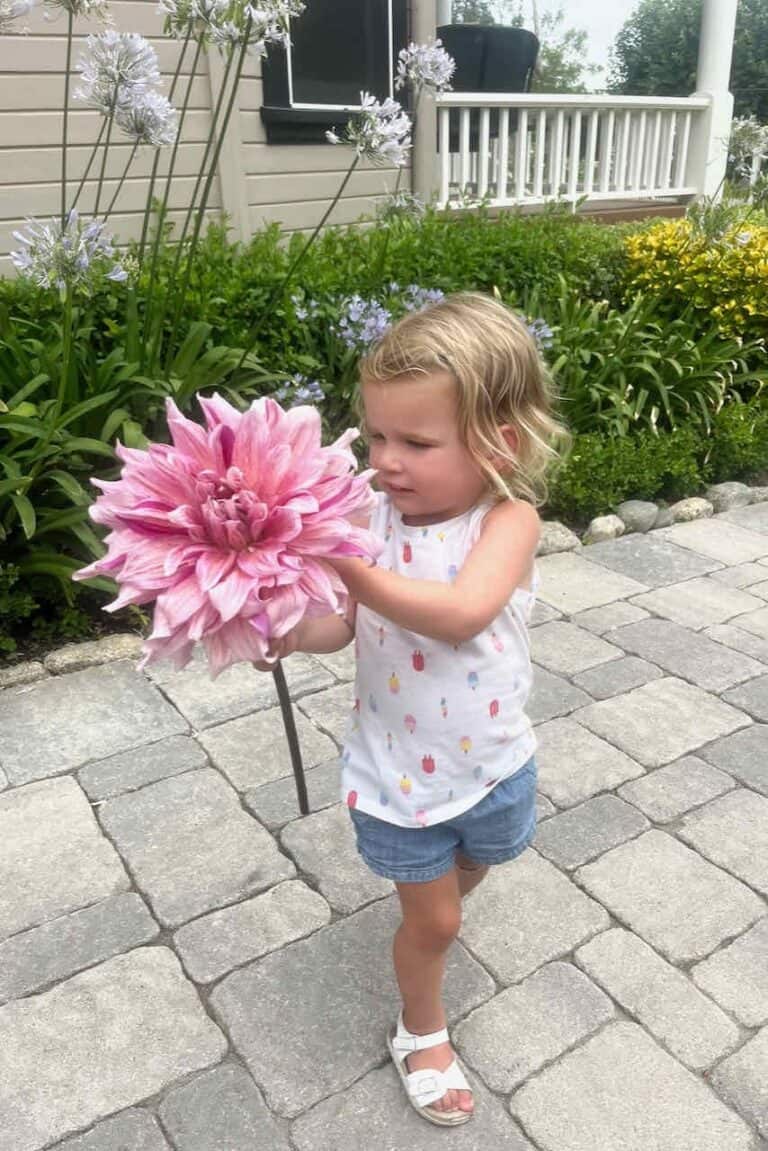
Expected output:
(58, 949)
(375, 1113)
(311, 1019)
(675, 900)
(216, 943)
(736, 976)
(3, 780)
(98, 1043)
(751, 697)
(544, 809)
(650, 559)
(30, 670)
(697, 603)
(661, 721)
(759, 589)
(741, 575)
(754, 517)
(543, 613)
(739, 640)
(572, 583)
(133, 769)
(276, 804)
(526, 913)
(518, 1031)
(53, 858)
(670, 791)
(76, 656)
(330, 710)
(565, 649)
(755, 622)
(621, 1092)
(687, 654)
(190, 846)
(732, 831)
(720, 538)
(660, 997)
(342, 663)
(584, 832)
(324, 847)
(616, 677)
(604, 619)
(72, 719)
(133, 1130)
(573, 764)
(744, 755)
(253, 750)
(552, 696)
(742, 1080)
(237, 691)
(220, 1109)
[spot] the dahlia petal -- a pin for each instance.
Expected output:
(230, 594)
(212, 566)
(181, 600)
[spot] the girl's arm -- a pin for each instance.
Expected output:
(500, 561)
(318, 636)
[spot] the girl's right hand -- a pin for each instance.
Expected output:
(279, 649)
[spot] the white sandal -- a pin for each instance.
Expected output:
(427, 1085)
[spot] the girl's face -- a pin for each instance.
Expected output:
(413, 433)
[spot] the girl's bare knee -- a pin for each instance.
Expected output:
(431, 912)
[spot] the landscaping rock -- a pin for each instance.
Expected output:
(759, 494)
(694, 508)
(723, 497)
(556, 537)
(663, 517)
(637, 515)
(604, 528)
(76, 656)
(20, 673)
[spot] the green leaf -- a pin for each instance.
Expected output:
(70, 487)
(84, 444)
(190, 349)
(86, 406)
(26, 514)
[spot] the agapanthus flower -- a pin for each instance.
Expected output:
(11, 10)
(381, 132)
(299, 390)
(68, 257)
(85, 8)
(148, 119)
(417, 298)
(304, 309)
(399, 205)
(541, 332)
(425, 66)
(362, 322)
(231, 22)
(116, 67)
(226, 529)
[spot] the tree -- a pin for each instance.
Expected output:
(472, 12)
(655, 53)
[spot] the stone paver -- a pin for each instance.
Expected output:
(649, 559)
(547, 917)
(670, 791)
(584, 832)
(699, 602)
(616, 677)
(566, 649)
(622, 1092)
(52, 857)
(97, 1043)
(666, 893)
(687, 654)
(217, 943)
(310, 1019)
(324, 847)
(751, 697)
(191, 847)
(741, 575)
(731, 543)
(755, 622)
(275, 804)
(55, 950)
(133, 769)
(754, 517)
(571, 583)
(601, 620)
(72, 719)
(133, 1130)
(552, 696)
(736, 976)
(744, 755)
(518, 1031)
(330, 710)
(573, 764)
(660, 997)
(732, 831)
(253, 750)
(739, 640)
(742, 1080)
(220, 1109)
(661, 721)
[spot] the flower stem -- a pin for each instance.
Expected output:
(289, 722)
(89, 165)
(122, 178)
(66, 119)
(105, 149)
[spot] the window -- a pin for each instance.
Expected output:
(338, 49)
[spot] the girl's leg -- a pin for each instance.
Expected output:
(469, 873)
(431, 921)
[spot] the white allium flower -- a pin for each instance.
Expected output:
(149, 119)
(68, 257)
(381, 132)
(11, 10)
(425, 66)
(116, 67)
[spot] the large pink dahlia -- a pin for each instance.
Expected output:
(227, 527)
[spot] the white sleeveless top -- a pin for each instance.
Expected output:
(435, 725)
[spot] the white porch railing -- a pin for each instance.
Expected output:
(528, 148)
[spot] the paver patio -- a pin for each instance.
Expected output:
(186, 964)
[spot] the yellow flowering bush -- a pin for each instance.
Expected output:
(723, 277)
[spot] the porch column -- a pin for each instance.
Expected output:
(708, 151)
(424, 156)
(444, 14)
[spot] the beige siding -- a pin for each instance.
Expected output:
(257, 182)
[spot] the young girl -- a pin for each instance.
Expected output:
(438, 769)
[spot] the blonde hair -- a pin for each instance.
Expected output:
(500, 378)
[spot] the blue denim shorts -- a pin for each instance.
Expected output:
(495, 830)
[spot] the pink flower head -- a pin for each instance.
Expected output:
(226, 528)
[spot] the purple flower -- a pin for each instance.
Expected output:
(300, 390)
(541, 332)
(362, 322)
